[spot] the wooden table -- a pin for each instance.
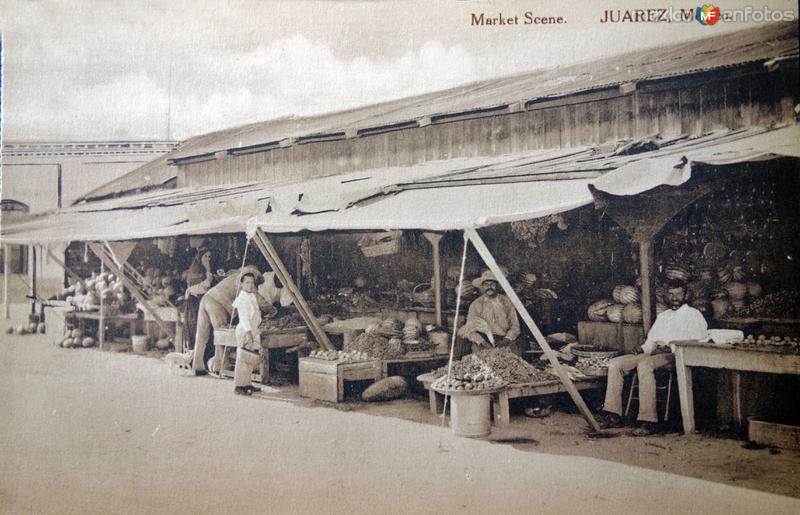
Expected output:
(103, 319)
(500, 399)
(762, 358)
(430, 363)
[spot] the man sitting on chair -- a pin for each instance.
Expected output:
(680, 322)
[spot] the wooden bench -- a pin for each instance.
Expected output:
(500, 408)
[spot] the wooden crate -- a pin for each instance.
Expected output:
(324, 380)
(770, 433)
(610, 335)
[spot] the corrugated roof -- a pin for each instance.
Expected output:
(735, 48)
(153, 174)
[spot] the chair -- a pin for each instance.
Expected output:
(669, 372)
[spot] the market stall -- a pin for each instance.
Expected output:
(380, 203)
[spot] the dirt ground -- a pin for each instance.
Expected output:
(84, 431)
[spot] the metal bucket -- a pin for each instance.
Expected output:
(139, 343)
(470, 415)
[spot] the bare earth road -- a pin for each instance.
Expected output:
(84, 431)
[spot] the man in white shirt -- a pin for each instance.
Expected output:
(680, 322)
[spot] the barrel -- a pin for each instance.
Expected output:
(470, 416)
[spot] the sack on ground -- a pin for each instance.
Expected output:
(386, 389)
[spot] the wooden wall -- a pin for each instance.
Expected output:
(728, 99)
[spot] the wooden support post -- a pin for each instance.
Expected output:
(483, 250)
(646, 273)
(435, 239)
(32, 272)
(6, 273)
(268, 250)
(135, 292)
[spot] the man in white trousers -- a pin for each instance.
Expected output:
(680, 322)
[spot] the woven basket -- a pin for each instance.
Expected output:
(423, 294)
(382, 246)
(587, 351)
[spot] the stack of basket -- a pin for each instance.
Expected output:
(390, 328)
(411, 331)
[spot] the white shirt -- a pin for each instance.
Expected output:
(684, 323)
(249, 314)
(269, 291)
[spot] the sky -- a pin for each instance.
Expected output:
(146, 69)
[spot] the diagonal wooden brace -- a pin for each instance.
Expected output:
(483, 250)
(268, 250)
(134, 289)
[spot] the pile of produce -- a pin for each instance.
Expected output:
(470, 373)
(339, 356)
(376, 346)
(293, 319)
(781, 304)
(74, 339)
(590, 366)
(501, 364)
(99, 287)
(31, 328)
(162, 287)
(777, 341)
(355, 301)
(625, 307)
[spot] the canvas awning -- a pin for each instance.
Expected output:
(477, 192)
(440, 195)
(203, 210)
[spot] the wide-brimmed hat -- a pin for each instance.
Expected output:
(487, 275)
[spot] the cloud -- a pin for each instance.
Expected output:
(292, 75)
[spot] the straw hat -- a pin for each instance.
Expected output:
(487, 275)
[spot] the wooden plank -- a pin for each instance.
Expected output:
(435, 239)
(6, 273)
(647, 274)
(134, 289)
(272, 257)
(480, 246)
(685, 391)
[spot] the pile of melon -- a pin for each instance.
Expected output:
(74, 339)
(99, 287)
(162, 287)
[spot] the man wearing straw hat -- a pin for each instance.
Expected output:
(492, 320)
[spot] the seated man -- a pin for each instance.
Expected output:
(680, 322)
(491, 320)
